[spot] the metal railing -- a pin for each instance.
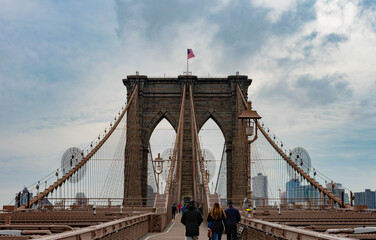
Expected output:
(278, 231)
(129, 227)
(284, 203)
(90, 203)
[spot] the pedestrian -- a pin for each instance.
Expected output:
(173, 210)
(191, 219)
(233, 217)
(179, 207)
(217, 217)
(183, 209)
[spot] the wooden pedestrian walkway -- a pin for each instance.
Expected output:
(176, 230)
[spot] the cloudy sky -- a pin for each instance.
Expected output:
(312, 65)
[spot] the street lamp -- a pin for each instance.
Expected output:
(249, 119)
(158, 168)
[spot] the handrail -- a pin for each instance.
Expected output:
(280, 231)
(101, 230)
(83, 161)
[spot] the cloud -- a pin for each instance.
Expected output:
(318, 92)
(275, 8)
(308, 91)
(363, 110)
(237, 30)
(61, 65)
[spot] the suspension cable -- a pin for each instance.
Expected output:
(60, 181)
(197, 141)
(177, 143)
(301, 172)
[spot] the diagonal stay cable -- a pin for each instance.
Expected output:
(60, 181)
(197, 142)
(177, 144)
(294, 166)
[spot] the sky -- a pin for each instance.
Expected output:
(312, 65)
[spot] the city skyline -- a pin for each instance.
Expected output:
(312, 65)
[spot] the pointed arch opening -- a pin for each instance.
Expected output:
(212, 143)
(162, 142)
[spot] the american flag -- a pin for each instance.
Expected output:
(190, 53)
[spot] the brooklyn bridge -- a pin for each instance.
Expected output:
(116, 188)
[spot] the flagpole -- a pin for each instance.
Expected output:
(187, 62)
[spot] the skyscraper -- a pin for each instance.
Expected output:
(367, 197)
(304, 194)
(260, 189)
(337, 189)
(290, 189)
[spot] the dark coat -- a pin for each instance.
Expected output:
(217, 225)
(233, 216)
(191, 219)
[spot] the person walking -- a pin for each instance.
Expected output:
(173, 210)
(192, 220)
(179, 207)
(233, 217)
(217, 217)
(183, 209)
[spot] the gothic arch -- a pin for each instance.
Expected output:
(153, 123)
(218, 120)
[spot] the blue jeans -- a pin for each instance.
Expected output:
(217, 235)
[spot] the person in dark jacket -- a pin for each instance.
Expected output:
(173, 210)
(191, 219)
(233, 217)
(217, 217)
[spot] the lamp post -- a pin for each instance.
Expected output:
(158, 168)
(249, 119)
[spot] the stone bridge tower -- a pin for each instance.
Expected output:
(159, 98)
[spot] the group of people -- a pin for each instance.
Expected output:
(218, 220)
(177, 208)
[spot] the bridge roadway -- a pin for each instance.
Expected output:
(176, 230)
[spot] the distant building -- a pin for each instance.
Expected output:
(290, 190)
(337, 189)
(22, 196)
(81, 200)
(370, 198)
(305, 194)
(360, 198)
(260, 189)
(45, 202)
(367, 197)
